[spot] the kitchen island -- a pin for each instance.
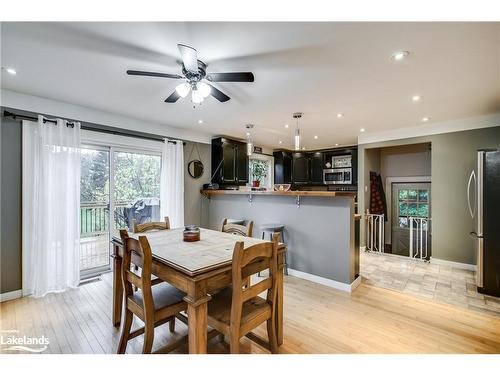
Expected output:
(320, 228)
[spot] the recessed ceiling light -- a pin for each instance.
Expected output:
(286, 126)
(336, 144)
(11, 71)
(200, 121)
(399, 55)
(362, 130)
(425, 119)
(315, 137)
(303, 148)
(280, 142)
(340, 115)
(416, 98)
(248, 134)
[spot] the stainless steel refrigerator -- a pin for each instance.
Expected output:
(483, 198)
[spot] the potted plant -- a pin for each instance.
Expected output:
(259, 171)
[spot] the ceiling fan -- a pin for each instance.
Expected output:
(195, 75)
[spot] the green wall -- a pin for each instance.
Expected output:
(10, 215)
(453, 157)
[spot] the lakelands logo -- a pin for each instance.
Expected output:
(10, 340)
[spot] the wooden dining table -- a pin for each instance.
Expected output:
(199, 269)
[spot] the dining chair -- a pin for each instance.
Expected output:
(154, 305)
(238, 310)
(153, 225)
(237, 228)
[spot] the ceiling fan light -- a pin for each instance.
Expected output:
(204, 89)
(196, 97)
(183, 89)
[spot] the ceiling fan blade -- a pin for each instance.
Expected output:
(152, 74)
(173, 97)
(231, 77)
(219, 95)
(189, 57)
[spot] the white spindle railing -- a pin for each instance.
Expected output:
(375, 232)
(419, 237)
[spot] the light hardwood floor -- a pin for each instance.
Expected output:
(317, 319)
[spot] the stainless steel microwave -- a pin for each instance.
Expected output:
(337, 176)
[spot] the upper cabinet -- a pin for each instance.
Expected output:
(282, 167)
(306, 168)
(229, 162)
(300, 168)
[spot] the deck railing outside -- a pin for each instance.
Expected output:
(94, 218)
(94, 227)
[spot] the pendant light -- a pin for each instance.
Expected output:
(249, 127)
(296, 116)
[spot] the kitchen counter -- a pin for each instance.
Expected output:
(320, 228)
(296, 193)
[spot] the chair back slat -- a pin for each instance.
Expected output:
(238, 229)
(257, 251)
(255, 290)
(153, 225)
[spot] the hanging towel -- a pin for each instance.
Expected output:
(378, 204)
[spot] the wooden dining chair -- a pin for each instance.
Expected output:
(153, 225)
(154, 305)
(239, 229)
(238, 310)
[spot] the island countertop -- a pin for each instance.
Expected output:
(296, 193)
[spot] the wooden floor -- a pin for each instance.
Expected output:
(317, 319)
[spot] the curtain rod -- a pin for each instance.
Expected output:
(101, 128)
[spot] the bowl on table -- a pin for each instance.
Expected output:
(282, 187)
(191, 233)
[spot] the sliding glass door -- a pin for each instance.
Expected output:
(136, 188)
(118, 186)
(94, 210)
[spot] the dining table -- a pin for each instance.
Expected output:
(199, 269)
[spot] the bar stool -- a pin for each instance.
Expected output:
(275, 228)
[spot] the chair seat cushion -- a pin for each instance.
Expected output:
(219, 307)
(164, 295)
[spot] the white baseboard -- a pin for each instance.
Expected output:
(327, 282)
(463, 266)
(11, 295)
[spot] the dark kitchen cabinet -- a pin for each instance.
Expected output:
(229, 162)
(300, 168)
(241, 163)
(306, 168)
(282, 167)
(316, 168)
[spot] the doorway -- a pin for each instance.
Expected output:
(117, 186)
(410, 221)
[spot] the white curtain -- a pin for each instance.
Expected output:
(172, 183)
(51, 202)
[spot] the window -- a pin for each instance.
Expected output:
(261, 168)
(412, 202)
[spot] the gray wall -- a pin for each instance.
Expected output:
(10, 207)
(319, 234)
(403, 161)
(193, 204)
(453, 157)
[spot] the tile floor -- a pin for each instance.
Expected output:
(441, 283)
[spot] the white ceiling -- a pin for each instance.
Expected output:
(316, 68)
